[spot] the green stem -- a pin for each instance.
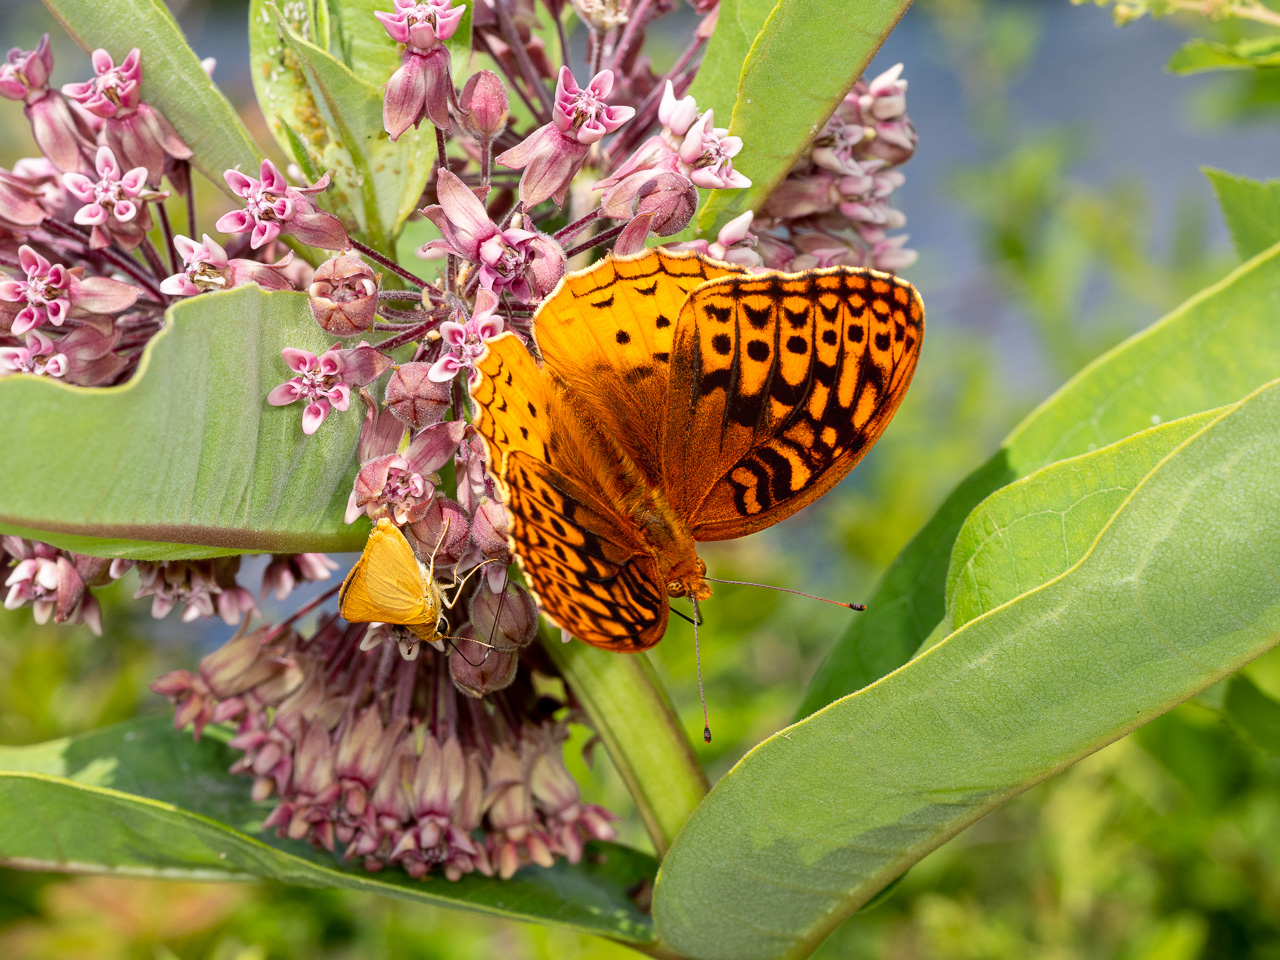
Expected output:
(632, 714)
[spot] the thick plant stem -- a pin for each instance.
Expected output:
(633, 716)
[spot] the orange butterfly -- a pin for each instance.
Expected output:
(681, 399)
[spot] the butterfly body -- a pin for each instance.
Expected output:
(681, 400)
(388, 585)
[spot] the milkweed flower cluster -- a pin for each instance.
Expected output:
(386, 760)
(433, 756)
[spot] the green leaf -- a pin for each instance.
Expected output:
(738, 23)
(172, 79)
(1197, 56)
(805, 58)
(1034, 529)
(1178, 591)
(187, 459)
(1251, 209)
(1253, 713)
(632, 715)
(142, 799)
(338, 115)
(1209, 352)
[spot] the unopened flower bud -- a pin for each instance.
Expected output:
(671, 199)
(344, 296)
(484, 104)
(414, 398)
(489, 528)
(507, 619)
(440, 533)
(478, 670)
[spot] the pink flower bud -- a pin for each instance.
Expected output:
(671, 199)
(507, 619)
(414, 398)
(442, 533)
(478, 670)
(344, 296)
(485, 106)
(489, 528)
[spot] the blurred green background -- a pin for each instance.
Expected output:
(1058, 207)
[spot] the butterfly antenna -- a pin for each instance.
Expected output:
(458, 650)
(798, 593)
(431, 565)
(683, 616)
(697, 656)
(502, 599)
(463, 582)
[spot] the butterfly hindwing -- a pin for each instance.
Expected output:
(779, 385)
(607, 331)
(561, 480)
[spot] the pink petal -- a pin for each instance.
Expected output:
(125, 210)
(340, 396)
(180, 285)
(299, 361)
(240, 185)
(284, 394)
(237, 221)
(134, 181)
(102, 61)
(314, 415)
(443, 370)
(263, 233)
(78, 185)
(91, 215)
(454, 334)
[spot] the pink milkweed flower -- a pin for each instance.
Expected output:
(553, 154)
(402, 485)
(61, 134)
(420, 87)
(318, 382)
(273, 207)
(50, 293)
(709, 152)
(36, 358)
(466, 342)
(522, 262)
(136, 131)
(205, 268)
(111, 204)
(733, 244)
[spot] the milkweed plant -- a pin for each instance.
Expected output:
(179, 392)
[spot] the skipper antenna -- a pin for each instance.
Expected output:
(798, 593)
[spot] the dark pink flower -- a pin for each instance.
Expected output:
(524, 263)
(484, 105)
(114, 205)
(553, 154)
(50, 293)
(205, 269)
(318, 383)
(273, 207)
(62, 135)
(287, 570)
(402, 485)
(421, 85)
(24, 75)
(465, 343)
(709, 151)
(138, 133)
(36, 358)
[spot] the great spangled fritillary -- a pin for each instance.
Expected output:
(681, 399)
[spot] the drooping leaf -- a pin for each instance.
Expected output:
(804, 59)
(1251, 209)
(1211, 351)
(1252, 713)
(1032, 530)
(1177, 592)
(172, 79)
(376, 183)
(142, 799)
(187, 459)
(1197, 56)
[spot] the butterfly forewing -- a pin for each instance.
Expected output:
(779, 385)
(606, 333)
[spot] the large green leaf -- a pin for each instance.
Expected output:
(187, 459)
(172, 78)
(1211, 351)
(738, 23)
(1034, 529)
(1251, 210)
(1178, 591)
(804, 59)
(142, 799)
(376, 183)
